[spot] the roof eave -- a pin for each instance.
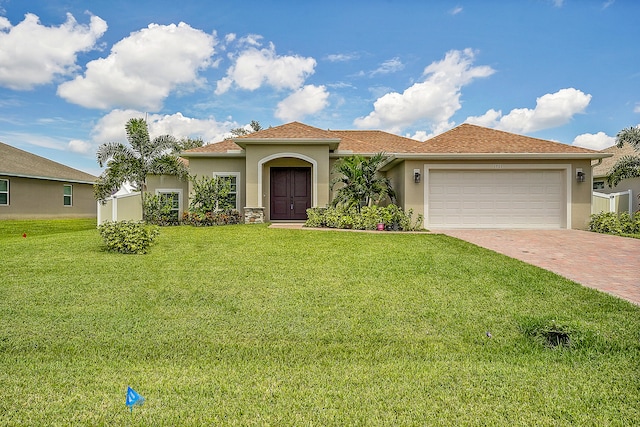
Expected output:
(228, 153)
(47, 178)
(331, 142)
(500, 156)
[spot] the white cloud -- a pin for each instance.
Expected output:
(557, 3)
(552, 110)
(79, 146)
(636, 109)
(608, 3)
(143, 68)
(456, 10)
(251, 40)
(388, 67)
(307, 100)
(342, 57)
(111, 127)
(598, 141)
(179, 126)
(255, 67)
(435, 100)
(32, 54)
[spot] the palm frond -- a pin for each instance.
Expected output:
(626, 167)
(631, 136)
(108, 151)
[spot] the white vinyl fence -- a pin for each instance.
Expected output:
(613, 202)
(121, 207)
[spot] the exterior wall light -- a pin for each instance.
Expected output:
(579, 175)
(416, 176)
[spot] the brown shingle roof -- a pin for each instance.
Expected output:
(468, 138)
(464, 139)
(357, 141)
(16, 162)
(604, 168)
(216, 147)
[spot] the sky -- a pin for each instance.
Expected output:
(73, 72)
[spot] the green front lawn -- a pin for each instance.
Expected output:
(245, 325)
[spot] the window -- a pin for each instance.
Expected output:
(4, 192)
(67, 198)
(598, 185)
(233, 179)
(172, 197)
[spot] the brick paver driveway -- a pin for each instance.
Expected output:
(608, 263)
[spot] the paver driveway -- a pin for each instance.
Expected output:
(608, 263)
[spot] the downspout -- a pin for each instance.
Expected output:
(593, 166)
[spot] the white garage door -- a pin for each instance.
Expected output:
(496, 199)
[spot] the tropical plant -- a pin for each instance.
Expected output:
(627, 166)
(133, 162)
(361, 181)
(158, 210)
(210, 194)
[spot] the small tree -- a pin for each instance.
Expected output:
(361, 181)
(210, 194)
(133, 162)
(627, 166)
(254, 126)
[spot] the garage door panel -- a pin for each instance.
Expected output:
(516, 198)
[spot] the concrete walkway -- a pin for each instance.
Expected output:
(608, 263)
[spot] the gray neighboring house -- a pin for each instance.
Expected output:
(622, 197)
(33, 187)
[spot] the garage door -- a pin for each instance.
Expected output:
(496, 199)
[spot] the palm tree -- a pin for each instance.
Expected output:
(362, 184)
(132, 163)
(627, 166)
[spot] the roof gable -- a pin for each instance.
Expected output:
(16, 162)
(468, 138)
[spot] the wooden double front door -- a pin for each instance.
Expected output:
(290, 193)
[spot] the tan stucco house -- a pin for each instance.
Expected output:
(623, 196)
(32, 187)
(468, 177)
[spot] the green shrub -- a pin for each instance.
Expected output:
(612, 223)
(315, 218)
(206, 219)
(158, 210)
(392, 216)
(210, 194)
(128, 237)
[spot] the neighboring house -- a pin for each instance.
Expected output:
(622, 197)
(34, 187)
(468, 177)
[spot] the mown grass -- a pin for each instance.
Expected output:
(245, 325)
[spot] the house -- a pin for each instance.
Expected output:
(623, 196)
(32, 187)
(468, 177)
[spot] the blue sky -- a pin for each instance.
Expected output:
(73, 72)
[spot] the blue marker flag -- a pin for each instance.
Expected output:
(133, 398)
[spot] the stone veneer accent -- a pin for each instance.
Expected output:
(253, 215)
